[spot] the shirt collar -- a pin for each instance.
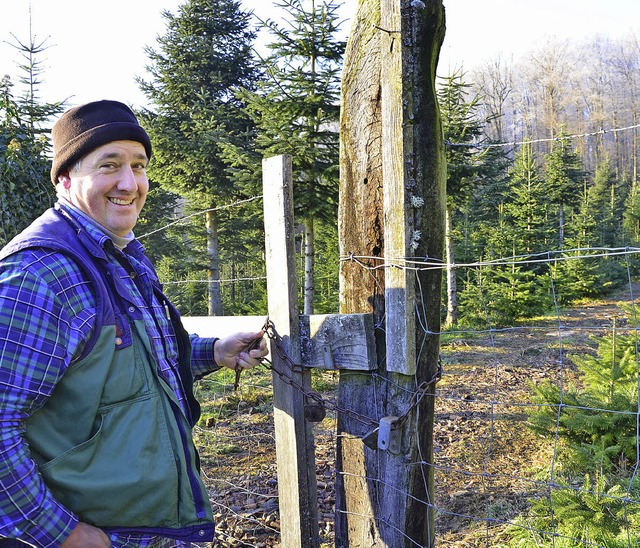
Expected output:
(100, 234)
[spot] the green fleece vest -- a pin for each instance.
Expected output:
(112, 442)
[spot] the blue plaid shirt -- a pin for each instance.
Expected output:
(47, 312)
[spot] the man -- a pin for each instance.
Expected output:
(96, 370)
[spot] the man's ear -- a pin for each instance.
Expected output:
(64, 180)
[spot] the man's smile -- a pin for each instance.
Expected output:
(120, 201)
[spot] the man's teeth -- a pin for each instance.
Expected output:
(119, 201)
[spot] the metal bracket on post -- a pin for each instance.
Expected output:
(328, 356)
(389, 435)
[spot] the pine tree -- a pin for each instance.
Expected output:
(564, 178)
(467, 167)
(597, 423)
(526, 204)
(295, 110)
(204, 55)
(24, 145)
(594, 425)
(605, 201)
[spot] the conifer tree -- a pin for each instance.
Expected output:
(526, 204)
(604, 196)
(204, 55)
(593, 422)
(597, 425)
(467, 167)
(24, 144)
(295, 110)
(564, 177)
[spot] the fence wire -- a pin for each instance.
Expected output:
(503, 478)
(499, 480)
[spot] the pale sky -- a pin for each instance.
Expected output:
(95, 50)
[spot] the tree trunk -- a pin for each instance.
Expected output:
(309, 266)
(380, 501)
(361, 235)
(213, 252)
(452, 288)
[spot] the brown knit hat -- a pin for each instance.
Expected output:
(86, 127)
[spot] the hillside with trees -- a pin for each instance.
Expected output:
(546, 153)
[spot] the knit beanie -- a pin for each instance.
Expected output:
(86, 127)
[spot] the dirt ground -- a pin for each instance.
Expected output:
(485, 456)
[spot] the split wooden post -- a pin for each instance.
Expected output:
(384, 498)
(297, 488)
(397, 167)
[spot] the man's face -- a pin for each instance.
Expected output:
(109, 184)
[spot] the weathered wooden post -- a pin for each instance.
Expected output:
(297, 489)
(392, 153)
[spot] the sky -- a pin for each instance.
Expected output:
(95, 50)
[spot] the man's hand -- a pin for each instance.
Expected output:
(86, 536)
(234, 351)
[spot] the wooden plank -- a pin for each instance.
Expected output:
(338, 341)
(327, 341)
(221, 326)
(297, 489)
(397, 163)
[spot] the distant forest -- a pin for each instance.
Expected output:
(542, 158)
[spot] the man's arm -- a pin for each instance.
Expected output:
(209, 354)
(37, 342)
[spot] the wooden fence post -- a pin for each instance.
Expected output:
(297, 489)
(391, 145)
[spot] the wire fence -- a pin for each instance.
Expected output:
(503, 476)
(536, 425)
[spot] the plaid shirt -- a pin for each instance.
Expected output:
(47, 312)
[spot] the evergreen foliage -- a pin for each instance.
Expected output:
(204, 56)
(595, 514)
(24, 145)
(594, 421)
(295, 109)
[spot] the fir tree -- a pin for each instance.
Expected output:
(295, 110)
(605, 201)
(597, 423)
(467, 167)
(526, 204)
(205, 55)
(24, 145)
(563, 180)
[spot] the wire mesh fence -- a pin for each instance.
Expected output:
(535, 428)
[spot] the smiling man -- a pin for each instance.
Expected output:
(96, 370)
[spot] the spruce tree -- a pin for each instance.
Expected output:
(593, 424)
(24, 144)
(605, 200)
(597, 423)
(204, 55)
(295, 110)
(526, 204)
(468, 165)
(564, 178)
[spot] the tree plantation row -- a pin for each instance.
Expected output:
(542, 158)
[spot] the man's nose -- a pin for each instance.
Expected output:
(127, 180)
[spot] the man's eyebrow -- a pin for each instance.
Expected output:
(118, 155)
